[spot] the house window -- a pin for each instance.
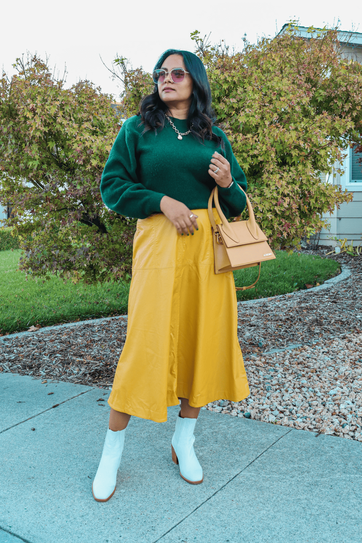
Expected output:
(356, 166)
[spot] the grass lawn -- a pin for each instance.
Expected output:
(286, 273)
(26, 303)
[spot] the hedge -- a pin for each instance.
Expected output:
(7, 240)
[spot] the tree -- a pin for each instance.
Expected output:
(54, 143)
(290, 107)
(134, 84)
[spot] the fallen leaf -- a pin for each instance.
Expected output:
(49, 393)
(44, 382)
(33, 328)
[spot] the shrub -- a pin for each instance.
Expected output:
(8, 240)
(54, 143)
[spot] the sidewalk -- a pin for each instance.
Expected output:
(262, 483)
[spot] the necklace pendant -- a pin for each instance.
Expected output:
(179, 137)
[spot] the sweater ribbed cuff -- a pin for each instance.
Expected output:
(154, 203)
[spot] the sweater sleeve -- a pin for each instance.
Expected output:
(233, 199)
(120, 188)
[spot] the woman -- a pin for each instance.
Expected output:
(182, 318)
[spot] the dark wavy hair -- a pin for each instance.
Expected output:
(201, 115)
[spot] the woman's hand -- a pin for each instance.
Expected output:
(222, 176)
(179, 214)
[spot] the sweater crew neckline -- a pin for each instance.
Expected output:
(175, 120)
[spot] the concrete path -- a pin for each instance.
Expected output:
(262, 483)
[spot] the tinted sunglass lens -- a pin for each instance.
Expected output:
(159, 76)
(177, 75)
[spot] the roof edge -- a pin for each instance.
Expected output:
(344, 36)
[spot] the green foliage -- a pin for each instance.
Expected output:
(8, 240)
(54, 143)
(289, 107)
(344, 247)
(136, 83)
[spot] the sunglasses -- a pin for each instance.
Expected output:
(177, 75)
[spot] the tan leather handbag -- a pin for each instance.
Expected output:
(238, 244)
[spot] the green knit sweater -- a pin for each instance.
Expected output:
(144, 167)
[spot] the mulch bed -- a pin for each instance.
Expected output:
(88, 353)
(307, 317)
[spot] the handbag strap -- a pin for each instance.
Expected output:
(209, 210)
(226, 225)
(253, 285)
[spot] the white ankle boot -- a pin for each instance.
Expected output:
(104, 484)
(183, 453)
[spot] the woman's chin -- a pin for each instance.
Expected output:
(169, 97)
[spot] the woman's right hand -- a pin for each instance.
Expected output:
(179, 214)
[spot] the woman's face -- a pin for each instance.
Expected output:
(175, 95)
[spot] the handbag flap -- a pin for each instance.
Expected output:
(241, 234)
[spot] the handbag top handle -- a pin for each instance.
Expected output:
(251, 224)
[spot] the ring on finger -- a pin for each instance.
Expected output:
(217, 169)
(192, 215)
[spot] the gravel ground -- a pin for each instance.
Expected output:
(302, 354)
(315, 388)
(303, 358)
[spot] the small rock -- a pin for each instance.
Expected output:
(335, 391)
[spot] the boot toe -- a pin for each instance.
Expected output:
(195, 477)
(102, 492)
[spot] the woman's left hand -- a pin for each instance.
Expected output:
(222, 176)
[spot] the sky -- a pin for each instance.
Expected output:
(75, 34)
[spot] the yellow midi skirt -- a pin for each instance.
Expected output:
(182, 324)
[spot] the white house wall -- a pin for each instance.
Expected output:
(346, 222)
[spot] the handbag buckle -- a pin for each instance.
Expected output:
(219, 240)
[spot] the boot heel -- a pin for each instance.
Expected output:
(174, 456)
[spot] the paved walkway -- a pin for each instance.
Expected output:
(262, 483)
